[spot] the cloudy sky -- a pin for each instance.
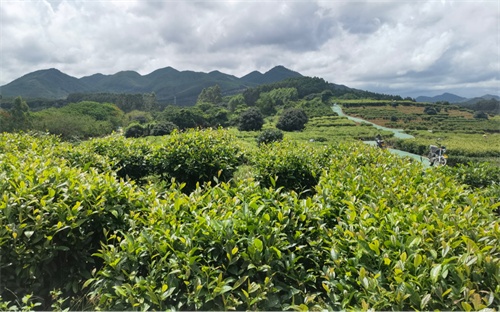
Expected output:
(407, 47)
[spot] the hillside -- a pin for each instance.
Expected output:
(445, 97)
(168, 84)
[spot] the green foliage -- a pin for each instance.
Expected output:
(429, 110)
(20, 118)
(127, 156)
(476, 175)
(79, 120)
(251, 120)
(269, 102)
(461, 147)
(315, 107)
(162, 128)
(98, 111)
(141, 117)
(5, 118)
(213, 114)
(235, 102)
(136, 130)
(126, 102)
(184, 118)
(53, 217)
(290, 165)
(210, 95)
(292, 120)
(480, 115)
(196, 157)
(269, 135)
(189, 157)
(376, 231)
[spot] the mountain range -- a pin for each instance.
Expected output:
(167, 83)
(455, 99)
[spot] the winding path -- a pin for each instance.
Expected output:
(398, 133)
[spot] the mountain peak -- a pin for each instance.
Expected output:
(445, 97)
(167, 83)
(275, 74)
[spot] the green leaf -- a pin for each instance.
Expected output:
(417, 260)
(258, 244)
(425, 301)
(435, 273)
(466, 306)
(240, 281)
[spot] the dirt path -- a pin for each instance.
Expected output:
(398, 133)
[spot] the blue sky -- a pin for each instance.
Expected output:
(408, 48)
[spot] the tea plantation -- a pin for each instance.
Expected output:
(202, 220)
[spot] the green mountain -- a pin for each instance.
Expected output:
(169, 84)
(445, 97)
(47, 83)
(277, 73)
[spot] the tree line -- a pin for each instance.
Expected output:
(84, 115)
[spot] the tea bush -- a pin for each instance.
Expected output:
(379, 233)
(53, 216)
(190, 157)
(376, 231)
(269, 136)
(194, 157)
(294, 166)
(128, 156)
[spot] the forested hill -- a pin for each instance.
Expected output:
(169, 84)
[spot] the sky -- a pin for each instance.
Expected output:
(406, 48)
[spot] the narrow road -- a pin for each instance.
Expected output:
(398, 133)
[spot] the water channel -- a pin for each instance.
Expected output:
(398, 133)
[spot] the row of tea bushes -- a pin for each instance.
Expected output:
(54, 215)
(378, 232)
(192, 157)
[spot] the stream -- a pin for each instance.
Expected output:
(398, 133)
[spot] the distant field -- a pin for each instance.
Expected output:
(413, 117)
(321, 129)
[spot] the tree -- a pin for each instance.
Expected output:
(20, 115)
(235, 101)
(251, 120)
(184, 118)
(429, 110)
(135, 130)
(269, 136)
(292, 120)
(266, 104)
(210, 95)
(162, 128)
(480, 115)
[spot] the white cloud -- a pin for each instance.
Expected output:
(387, 46)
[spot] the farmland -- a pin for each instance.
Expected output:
(171, 213)
(335, 226)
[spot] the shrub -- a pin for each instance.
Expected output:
(290, 165)
(429, 110)
(378, 234)
(128, 157)
(476, 175)
(54, 217)
(480, 115)
(269, 135)
(251, 120)
(194, 157)
(292, 120)
(136, 130)
(161, 128)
